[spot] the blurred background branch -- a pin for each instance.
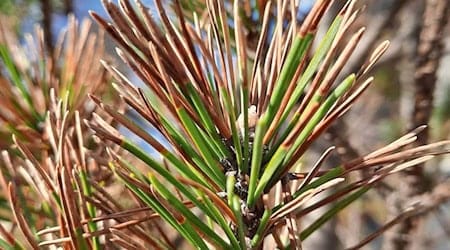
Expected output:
(429, 53)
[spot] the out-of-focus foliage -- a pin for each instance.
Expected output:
(45, 145)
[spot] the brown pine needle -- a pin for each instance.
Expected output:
(18, 215)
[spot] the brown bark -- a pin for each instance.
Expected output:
(46, 9)
(68, 6)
